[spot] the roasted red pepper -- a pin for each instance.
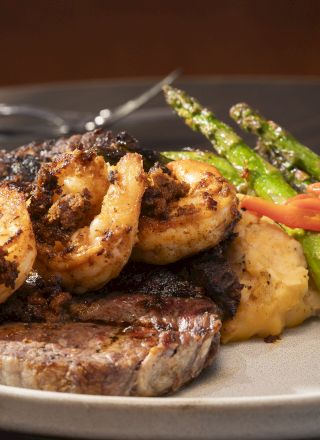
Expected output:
(288, 214)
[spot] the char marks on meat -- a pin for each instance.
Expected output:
(212, 271)
(19, 171)
(154, 280)
(207, 273)
(37, 300)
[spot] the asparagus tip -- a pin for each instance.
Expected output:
(246, 117)
(239, 110)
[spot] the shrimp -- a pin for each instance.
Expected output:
(86, 216)
(17, 242)
(187, 208)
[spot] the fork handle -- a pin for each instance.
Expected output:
(36, 112)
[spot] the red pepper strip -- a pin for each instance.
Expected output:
(314, 188)
(301, 197)
(311, 203)
(288, 215)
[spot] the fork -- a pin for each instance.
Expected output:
(66, 123)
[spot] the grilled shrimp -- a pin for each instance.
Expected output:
(86, 215)
(187, 208)
(17, 242)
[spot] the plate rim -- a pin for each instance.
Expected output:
(140, 80)
(310, 398)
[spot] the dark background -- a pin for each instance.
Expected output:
(58, 40)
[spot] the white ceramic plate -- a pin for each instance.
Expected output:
(255, 390)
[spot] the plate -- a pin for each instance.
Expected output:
(254, 390)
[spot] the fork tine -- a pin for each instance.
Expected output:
(106, 116)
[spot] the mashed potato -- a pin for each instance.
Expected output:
(273, 270)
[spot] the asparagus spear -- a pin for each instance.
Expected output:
(266, 180)
(225, 167)
(297, 178)
(262, 177)
(282, 142)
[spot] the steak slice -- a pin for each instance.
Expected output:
(122, 344)
(148, 341)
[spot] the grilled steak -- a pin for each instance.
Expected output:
(148, 341)
(122, 344)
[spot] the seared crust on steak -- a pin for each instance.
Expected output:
(207, 274)
(125, 345)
